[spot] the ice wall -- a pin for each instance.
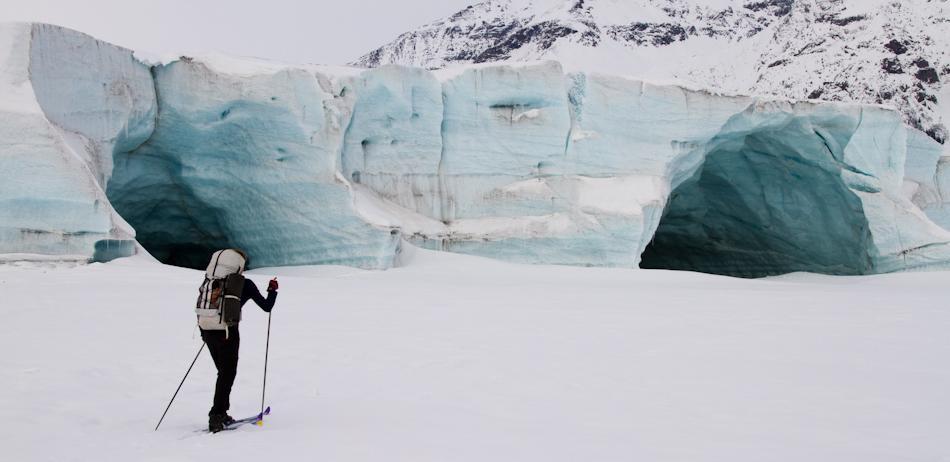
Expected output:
(778, 186)
(250, 159)
(926, 177)
(312, 164)
(67, 103)
(939, 212)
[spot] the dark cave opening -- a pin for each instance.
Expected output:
(171, 221)
(762, 205)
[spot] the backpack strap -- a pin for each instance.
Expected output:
(220, 311)
(203, 295)
(216, 260)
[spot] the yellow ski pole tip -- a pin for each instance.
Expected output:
(260, 423)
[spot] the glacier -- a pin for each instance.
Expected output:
(526, 162)
(245, 161)
(68, 104)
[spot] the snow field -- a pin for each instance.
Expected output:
(459, 358)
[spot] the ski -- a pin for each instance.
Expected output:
(256, 419)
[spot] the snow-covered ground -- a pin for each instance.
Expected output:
(457, 358)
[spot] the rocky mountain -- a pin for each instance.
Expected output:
(895, 53)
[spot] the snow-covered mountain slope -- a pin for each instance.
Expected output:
(871, 51)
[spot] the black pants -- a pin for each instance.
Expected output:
(224, 352)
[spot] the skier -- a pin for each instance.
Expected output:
(223, 339)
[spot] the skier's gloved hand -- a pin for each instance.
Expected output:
(272, 285)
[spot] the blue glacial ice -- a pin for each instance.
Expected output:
(393, 141)
(523, 162)
(68, 103)
(249, 162)
(927, 177)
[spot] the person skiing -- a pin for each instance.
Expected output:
(223, 338)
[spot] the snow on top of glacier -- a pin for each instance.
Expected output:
(242, 65)
(656, 79)
(15, 87)
(150, 58)
(451, 72)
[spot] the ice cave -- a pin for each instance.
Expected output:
(764, 203)
(226, 167)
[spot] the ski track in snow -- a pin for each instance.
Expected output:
(461, 358)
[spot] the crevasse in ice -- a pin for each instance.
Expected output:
(523, 162)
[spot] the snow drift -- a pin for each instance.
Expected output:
(523, 162)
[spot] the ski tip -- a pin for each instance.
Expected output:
(267, 411)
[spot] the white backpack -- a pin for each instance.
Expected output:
(219, 297)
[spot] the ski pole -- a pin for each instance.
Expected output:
(179, 385)
(264, 387)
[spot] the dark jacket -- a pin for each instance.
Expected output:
(251, 292)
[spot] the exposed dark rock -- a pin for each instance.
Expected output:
(920, 96)
(938, 133)
(928, 75)
(896, 47)
(461, 14)
(778, 8)
(892, 66)
(780, 62)
(491, 33)
(543, 34)
(641, 33)
(590, 38)
(810, 48)
(372, 59)
(838, 21)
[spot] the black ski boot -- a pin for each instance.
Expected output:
(217, 422)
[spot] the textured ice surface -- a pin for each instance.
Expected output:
(940, 213)
(737, 214)
(302, 165)
(393, 142)
(246, 161)
(67, 102)
(926, 177)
